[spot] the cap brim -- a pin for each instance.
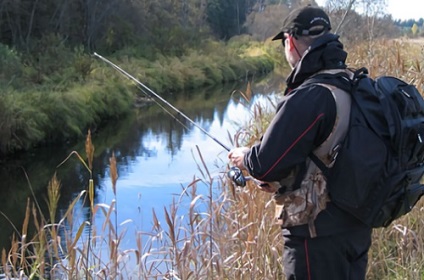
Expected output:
(279, 36)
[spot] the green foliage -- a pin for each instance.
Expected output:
(119, 34)
(226, 18)
(65, 91)
(228, 73)
(173, 41)
(45, 54)
(20, 124)
(143, 49)
(213, 62)
(45, 69)
(82, 63)
(192, 76)
(409, 23)
(414, 29)
(33, 117)
(10, 67)
(50, 64)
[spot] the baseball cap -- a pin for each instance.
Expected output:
(301, 22)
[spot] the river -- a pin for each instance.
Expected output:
(156, 158)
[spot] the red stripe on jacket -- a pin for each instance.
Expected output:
(293, 144)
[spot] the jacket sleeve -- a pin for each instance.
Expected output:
(302, 122)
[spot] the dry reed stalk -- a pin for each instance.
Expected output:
(114, 245)
(89, 150)
(24, 235)
(257, 243)
(113, 172)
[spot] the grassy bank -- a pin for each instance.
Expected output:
(62, 93)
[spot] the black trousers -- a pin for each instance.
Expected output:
(337, 257)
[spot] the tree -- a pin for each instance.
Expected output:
(360, 19)
(227, 17)
(414, 29)
(265, 22)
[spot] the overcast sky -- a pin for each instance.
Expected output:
(400, 9)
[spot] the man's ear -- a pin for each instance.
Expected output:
(291, 42)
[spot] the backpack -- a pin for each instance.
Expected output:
(377, 173)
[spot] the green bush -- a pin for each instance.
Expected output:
(10, 67)
(21, 121)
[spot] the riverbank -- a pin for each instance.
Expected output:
(60, 102)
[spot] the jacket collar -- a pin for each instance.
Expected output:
(325, 53)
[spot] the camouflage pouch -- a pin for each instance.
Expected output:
(301, 206)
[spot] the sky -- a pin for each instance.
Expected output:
(401, 9)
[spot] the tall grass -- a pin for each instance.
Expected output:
(397, 251)
(227, 231)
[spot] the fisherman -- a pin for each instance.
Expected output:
(320, 240)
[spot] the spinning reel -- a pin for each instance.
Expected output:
(236, 175)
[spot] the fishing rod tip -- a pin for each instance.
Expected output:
(98, 55)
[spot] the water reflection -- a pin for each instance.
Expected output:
(156, 156)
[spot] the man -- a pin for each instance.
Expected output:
(321, 240)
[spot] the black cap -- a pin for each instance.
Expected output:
(300, 22)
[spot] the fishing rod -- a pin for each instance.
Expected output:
(161, 99)
(234, 173)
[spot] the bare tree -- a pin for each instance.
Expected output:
(266, 21)
(31, 21)
(356, 19)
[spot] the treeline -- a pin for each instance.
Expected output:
(165, 26)
(409, 23)
(109, 25)
(169, 26)
(411, 27)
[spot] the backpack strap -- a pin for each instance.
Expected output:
(340, 78)
(339, 82)
(325, 155)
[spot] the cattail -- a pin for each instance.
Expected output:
(89, 150)
(113, 172)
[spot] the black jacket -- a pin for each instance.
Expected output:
(304, 119)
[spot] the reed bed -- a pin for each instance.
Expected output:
(227, 232)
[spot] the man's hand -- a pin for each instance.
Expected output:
(236, 156)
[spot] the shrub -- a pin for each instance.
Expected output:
(11, 67)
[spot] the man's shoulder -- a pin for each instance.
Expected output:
(311, 99)
(339, 78)
(312, 91)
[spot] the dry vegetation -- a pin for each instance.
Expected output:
(397, 251)
(227, 233)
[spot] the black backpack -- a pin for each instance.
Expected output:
(377, 173)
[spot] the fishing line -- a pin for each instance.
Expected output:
(163, 108)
